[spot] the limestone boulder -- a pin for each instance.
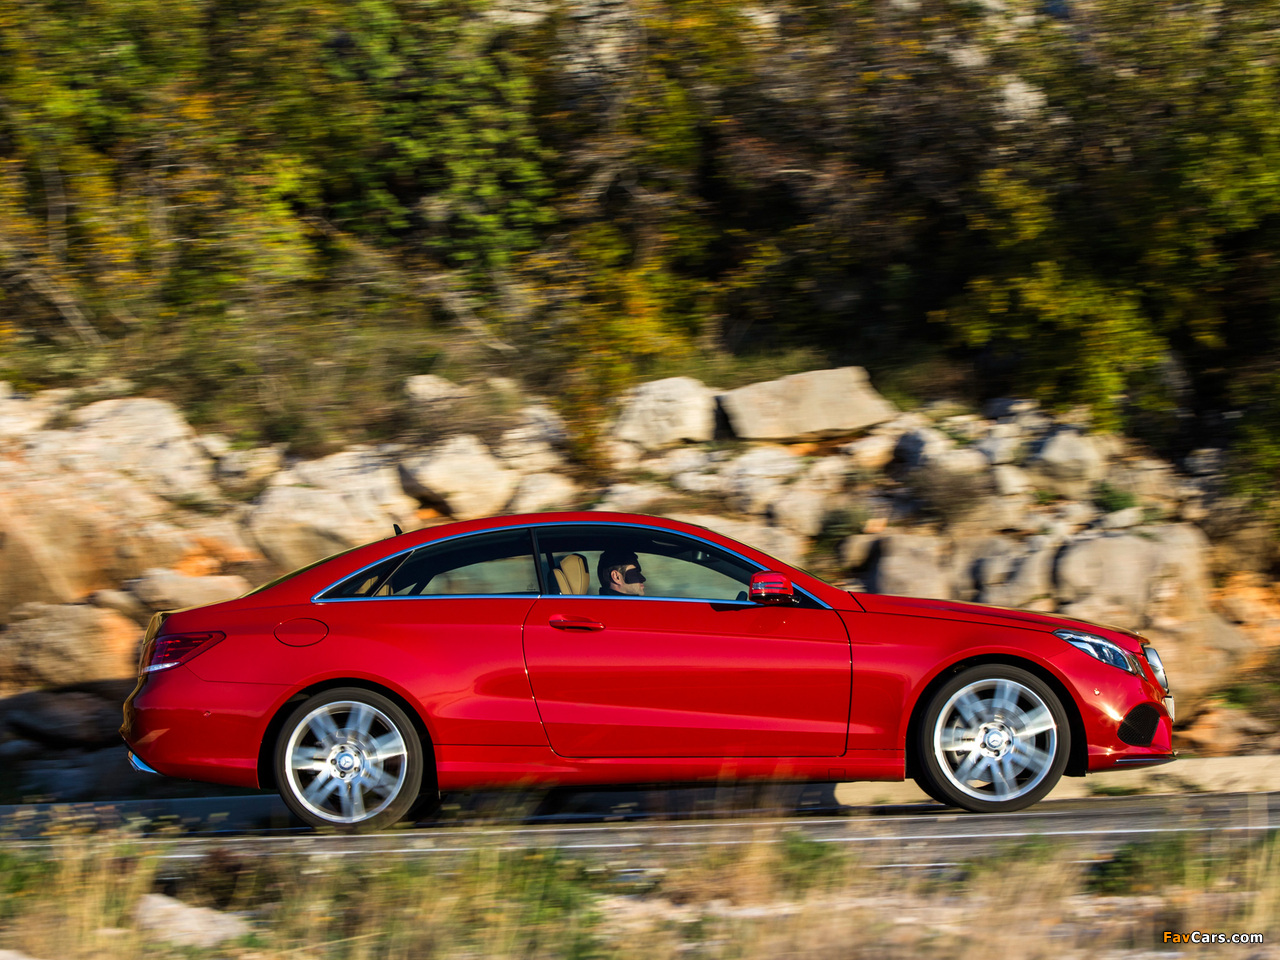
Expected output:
(20, 416)
(432, 394)
(922, 446)
(460, 477)
(813, 405)
(912, 566)
(63, 644)
(1069, 462)
(163, 589)
(801, 507)
(1155, 581)
(872, 453)
(534, 445)
(786, 546)
(1020, 575)
(755, 479)
(73, 524)
(631, 497)
(543, 491)
(147, 439)
(173, 921)
(662, 413)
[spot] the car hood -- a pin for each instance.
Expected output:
(983, 613)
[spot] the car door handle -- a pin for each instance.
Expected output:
(575, 623)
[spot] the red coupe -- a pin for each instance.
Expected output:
(596, 648)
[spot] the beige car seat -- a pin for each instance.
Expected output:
(571, 574)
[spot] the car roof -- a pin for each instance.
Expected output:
(316, 578)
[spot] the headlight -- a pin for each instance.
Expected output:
(1157, 666)
(1100, 648)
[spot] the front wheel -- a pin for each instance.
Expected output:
(995, 738)
(349, 758)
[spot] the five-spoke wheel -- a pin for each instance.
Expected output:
(994, 738)
(349, 758)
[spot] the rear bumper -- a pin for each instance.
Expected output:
(178, 725)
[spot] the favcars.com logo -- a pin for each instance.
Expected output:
(1199, 936)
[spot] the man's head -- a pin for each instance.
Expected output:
(619, 571)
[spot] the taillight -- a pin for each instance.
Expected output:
(175, 648)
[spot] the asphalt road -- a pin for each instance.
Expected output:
(635, 826)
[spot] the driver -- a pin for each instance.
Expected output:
(619, 574)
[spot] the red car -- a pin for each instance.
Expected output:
(596, 648)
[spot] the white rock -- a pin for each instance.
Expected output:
(180, 923)
(998, 449)
(1070, 462)
(787, 547)
(711, 483)
(801, 507)
(964, 461)
(621, 456)
(665, 412)
(461, 476)
(820, 403)
(754, 480)
(543, 491)
(534, 445)
(912, 566)
(631, 497)
(60, 644)
(1122, 519)
(1010, 481)
(72, 523)
(20, 416)
(871, 453)
(294, 526)
(147, 439)
(921, 446)
(828, 474)
(434, 393)
(243, 469)
(679, 460)
(170, 590)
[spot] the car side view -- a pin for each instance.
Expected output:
(598, 648)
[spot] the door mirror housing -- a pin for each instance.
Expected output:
(771, 588)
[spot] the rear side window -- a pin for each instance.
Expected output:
(482, 564)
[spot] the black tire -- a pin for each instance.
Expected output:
(995, 738)
(349, 759)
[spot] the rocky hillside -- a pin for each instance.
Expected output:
(112, 507)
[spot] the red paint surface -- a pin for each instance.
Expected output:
(663, 690)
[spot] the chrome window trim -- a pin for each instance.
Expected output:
(318, 597)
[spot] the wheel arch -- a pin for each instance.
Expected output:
(266, 749)
(1078, 759)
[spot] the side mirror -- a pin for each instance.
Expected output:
(770, 588)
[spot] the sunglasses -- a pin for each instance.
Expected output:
(633, 576)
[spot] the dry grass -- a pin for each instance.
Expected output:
(778, 895)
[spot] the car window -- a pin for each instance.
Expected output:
(673, 566)
(488, 563)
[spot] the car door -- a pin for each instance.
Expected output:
(444, 621)
(691, 669)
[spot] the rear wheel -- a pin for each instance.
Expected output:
(995, 738)
(349, 758)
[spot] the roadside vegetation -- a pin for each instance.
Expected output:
(778, 895)
(273, 212)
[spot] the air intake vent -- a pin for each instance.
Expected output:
(1139, 727)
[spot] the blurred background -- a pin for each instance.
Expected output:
(271, 212)
(275, 274)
